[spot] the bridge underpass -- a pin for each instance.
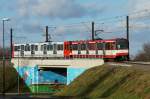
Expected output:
(41, 75)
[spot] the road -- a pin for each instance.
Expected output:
(39, 96)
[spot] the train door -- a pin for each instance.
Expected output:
(103, 49)
(79, 48)
(67, 49)
(44, 49)
(92, 49)
(27, 50)
(87, 49)
(32, 50)
(54, 48)
(60, 50)
(113, 48)
(109, 46)
(50, 49)
(96, 49)
(22, 51)
(83, 49)
(100, 49)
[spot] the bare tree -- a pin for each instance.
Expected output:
(144, 55)
(7, 52)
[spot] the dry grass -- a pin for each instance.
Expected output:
(110, 83)
(10, 78)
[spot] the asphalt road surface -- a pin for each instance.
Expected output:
(33, 97)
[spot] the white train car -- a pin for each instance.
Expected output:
(46, 49)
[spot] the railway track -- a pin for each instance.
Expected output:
(138, 65)
(129, 63)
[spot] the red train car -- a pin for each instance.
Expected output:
(107, 49)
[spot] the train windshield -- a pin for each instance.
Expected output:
(122, 44)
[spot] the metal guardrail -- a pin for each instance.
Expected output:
(128, 63)
(138, 63)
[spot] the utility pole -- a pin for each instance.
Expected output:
(93, 31)
(3, 20)
(46, 40)
(11, 42)
(3, 59)
(127, 26)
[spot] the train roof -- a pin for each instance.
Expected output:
(77, 41)
(38, 43)
(101, 40)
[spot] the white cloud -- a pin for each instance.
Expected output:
(139, 5)
(139, 8)
(139, 23)
(23, 6)
(57, 8)
(70, 33)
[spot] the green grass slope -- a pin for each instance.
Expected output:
(108, 82)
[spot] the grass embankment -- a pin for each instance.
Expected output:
(109, 82)
(11, 81)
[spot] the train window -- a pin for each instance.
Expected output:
(79, 48)
(122, 44)
(32, 47)
(45, 47)
(55, 49)
(83, 46)
(87, 49)
(107, 46)
(60, 47)
(36, 47)
(113, 46)
(75, 47)
(17, 48)
(91, 46)
(49, 47)
(110, 46)
(42, 47)
(22, 47)
(27, 47)
(70, 47)
(99, 46)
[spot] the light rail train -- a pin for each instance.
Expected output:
(107, 49)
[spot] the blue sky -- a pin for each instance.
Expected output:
(72, 19)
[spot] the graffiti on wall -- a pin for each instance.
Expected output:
(32, 75)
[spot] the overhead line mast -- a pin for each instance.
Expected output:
(46, 39)
(93, 31)
(127, 26)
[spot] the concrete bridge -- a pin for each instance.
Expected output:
(77, 63)
(39, 74)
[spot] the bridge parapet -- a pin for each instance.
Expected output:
(59, 62)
